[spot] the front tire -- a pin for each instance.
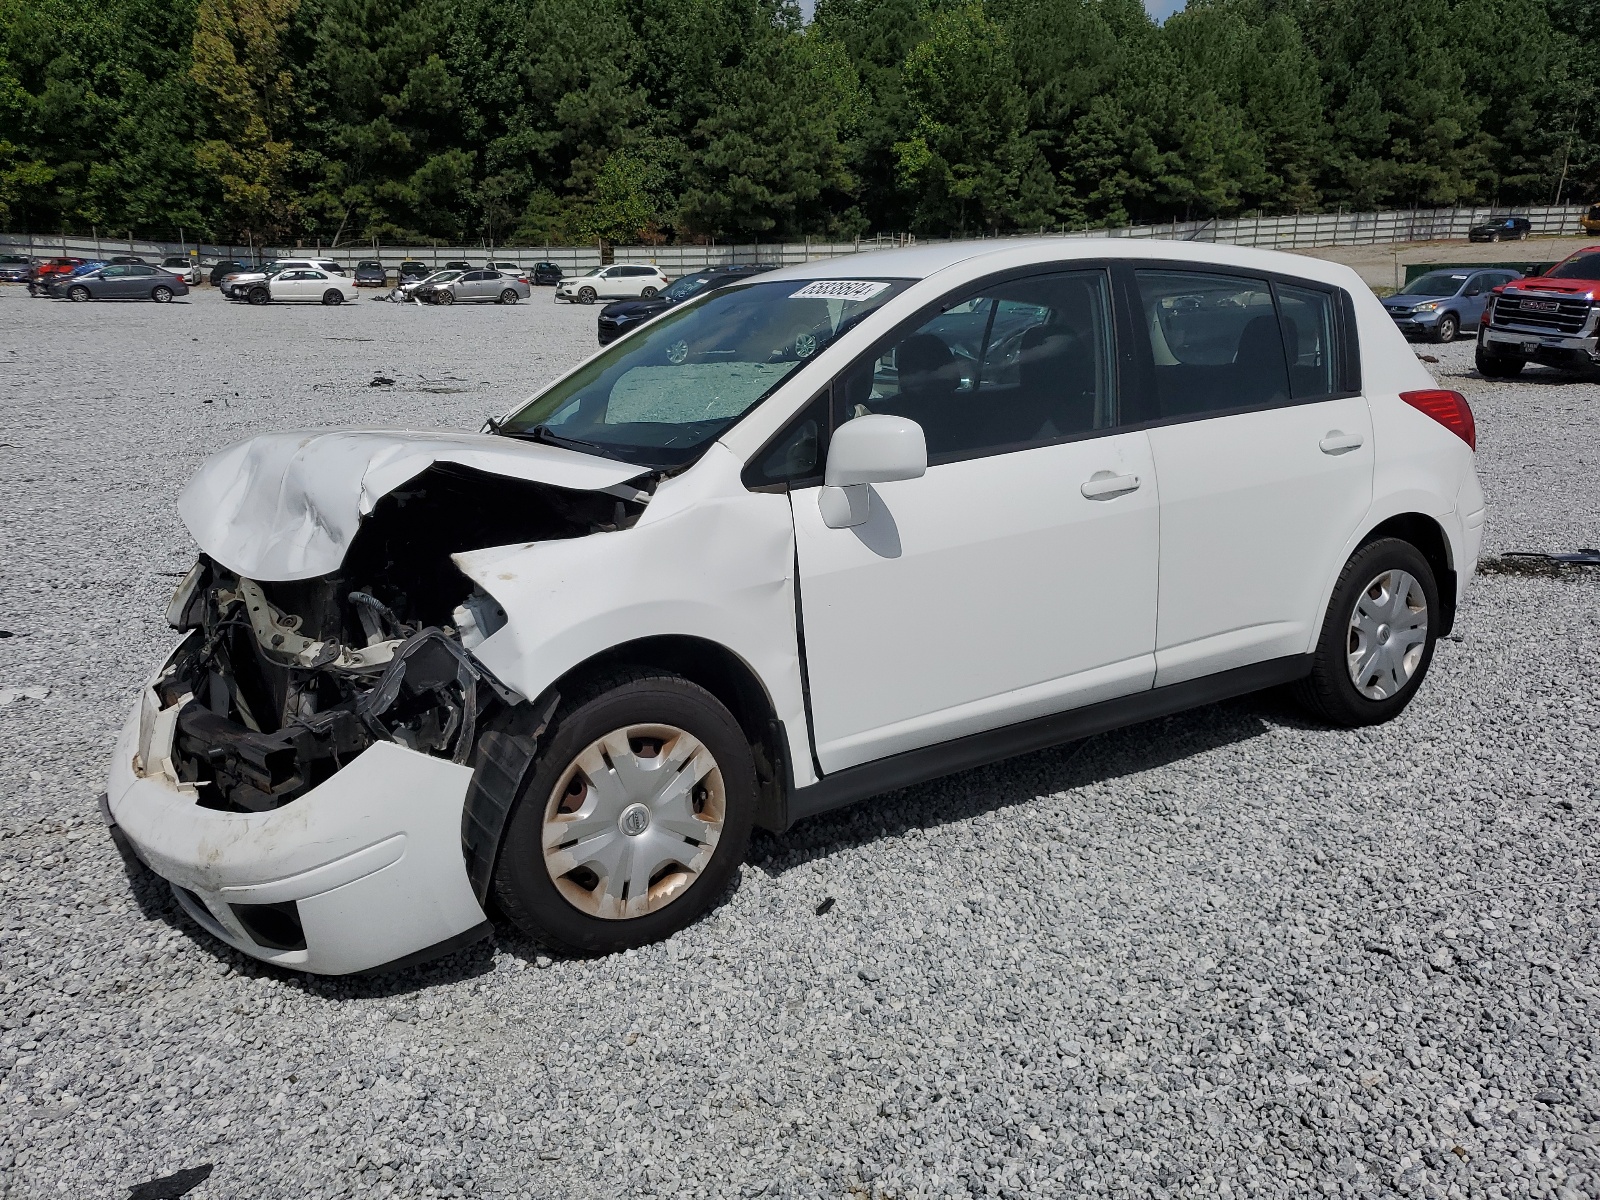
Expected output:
(161, 295)
(1377, 637)
(635, 819)
(78, 294)
(259, 295)
(445, 297)
(586, 295)
(1448, 329)
(1498, 366)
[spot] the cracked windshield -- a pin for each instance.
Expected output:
(659, 397)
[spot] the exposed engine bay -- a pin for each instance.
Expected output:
(289, 680)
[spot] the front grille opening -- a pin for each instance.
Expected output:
(272, 926)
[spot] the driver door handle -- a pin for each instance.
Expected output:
(1106, 486)
(1338, 442)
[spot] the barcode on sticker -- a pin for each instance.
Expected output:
(840, 289)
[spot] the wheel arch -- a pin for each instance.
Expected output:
(729, 678)
(1429, 537)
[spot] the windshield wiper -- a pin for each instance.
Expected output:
(543, 433)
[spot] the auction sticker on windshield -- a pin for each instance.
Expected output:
(840, 289)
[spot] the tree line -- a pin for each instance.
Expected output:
(563, 121)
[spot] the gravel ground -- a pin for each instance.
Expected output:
(1224, 954)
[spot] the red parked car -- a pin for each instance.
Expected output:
(1553, 318)
(48, 271)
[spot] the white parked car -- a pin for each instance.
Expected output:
(305, 285)
(186, 269)
(239, 285)
(834, 530)
(611, 283)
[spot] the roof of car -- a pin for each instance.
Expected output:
(922, 262)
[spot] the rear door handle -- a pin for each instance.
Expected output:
(1103, 485)
(1340, 443)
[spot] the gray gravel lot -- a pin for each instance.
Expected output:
(1222, 954)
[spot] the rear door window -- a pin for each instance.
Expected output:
(1215, 342)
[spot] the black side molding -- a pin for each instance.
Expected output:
(979, 749)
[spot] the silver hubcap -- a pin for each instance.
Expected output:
(1388, 632)
(633, 820)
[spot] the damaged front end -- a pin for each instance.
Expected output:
(281, 684)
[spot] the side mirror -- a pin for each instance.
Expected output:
(876, 448)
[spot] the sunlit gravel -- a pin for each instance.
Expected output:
(1224, 954)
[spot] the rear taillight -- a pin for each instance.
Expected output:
(1448, 408)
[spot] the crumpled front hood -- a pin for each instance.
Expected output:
(286, 505)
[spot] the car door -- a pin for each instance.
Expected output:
(1263, 446)
(303, 284)
(478, 285)
(1017, 577)
(1471, 300)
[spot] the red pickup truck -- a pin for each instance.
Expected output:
(1549, 318)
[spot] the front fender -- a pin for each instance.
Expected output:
(709, 559)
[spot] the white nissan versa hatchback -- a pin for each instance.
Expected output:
(843, 527)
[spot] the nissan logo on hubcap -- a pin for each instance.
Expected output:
(635, 819)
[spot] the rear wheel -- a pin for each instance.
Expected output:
(1448, 328)
(636, 816)
(1498, 366)
(1377, 638)
(161, 294)
(258, 295)
(648, 292)
(332, 296)
(509, 296)
(79, 293)
(586, 295)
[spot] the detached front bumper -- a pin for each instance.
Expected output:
(362, 871)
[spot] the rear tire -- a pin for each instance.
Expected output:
(509, 296)
(576, 911)
(647, 293)
(1374, 630)
(1448, 329)
(1498, 366)
(161, 295)
(332, 297)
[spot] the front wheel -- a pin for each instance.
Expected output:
(1377, 638)
(161, 294)
(259, 295)
(78, 293)
(1448, 328)
(586, 295)
(509, 296)
(635, 817)
(1498, 366)
(445, 297)
(332, 296)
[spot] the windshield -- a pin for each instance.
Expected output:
(1583, 266)
(1438, 283)
(659, 397)
(367, 263)
(442, 277)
